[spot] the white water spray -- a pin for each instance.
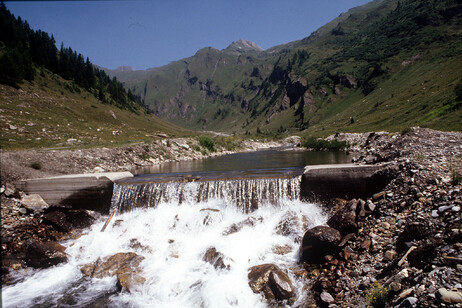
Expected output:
(174, 237)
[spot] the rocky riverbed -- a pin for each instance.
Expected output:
(406, 240)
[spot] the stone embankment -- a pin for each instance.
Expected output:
(406, 238)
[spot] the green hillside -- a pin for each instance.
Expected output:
(386, 65)
(53, 112)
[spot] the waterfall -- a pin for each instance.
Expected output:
(245, 194)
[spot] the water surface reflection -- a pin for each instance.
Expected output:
(268, 159)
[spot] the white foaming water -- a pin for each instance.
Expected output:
(246, 194)
(175, 239)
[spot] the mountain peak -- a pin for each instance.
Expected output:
(242, 46)
(124, 69)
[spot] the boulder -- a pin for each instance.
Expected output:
(80, 218)
(408, 302)
(215, 258)
(344, 221)
(319, 242)
(421, 257)
(413, 231)
(8, 190)
(128, 280)
(125, 266)
(271, 281)
(34, 202)
(389, 255)
(281, 249)
(326, 298)
(58, 221)
(449, 297)
(250, 222)
(42, 255)
(288, 225)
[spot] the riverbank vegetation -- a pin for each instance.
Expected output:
(318, 144)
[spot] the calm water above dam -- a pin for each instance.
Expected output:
(250, 161)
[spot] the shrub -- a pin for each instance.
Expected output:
(324, 145)
(207, 142)
(377, 295)
(406, 130)
(458, 91)
(36, 166)
(456, 177)
(420, 157)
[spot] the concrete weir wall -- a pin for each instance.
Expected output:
(343, 181)
(91, 191)
(94, 191)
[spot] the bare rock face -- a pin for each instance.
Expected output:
(319, 242)
(272, 281)
(42, 255)
(123, 265)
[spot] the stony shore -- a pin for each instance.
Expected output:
(407, 237)
(31, 164)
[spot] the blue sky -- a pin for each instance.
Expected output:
(144, 34)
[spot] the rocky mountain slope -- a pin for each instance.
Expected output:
(386, 65)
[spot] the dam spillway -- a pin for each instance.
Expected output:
(245, 191)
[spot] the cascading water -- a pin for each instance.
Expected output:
(245, 194)
(174, 224)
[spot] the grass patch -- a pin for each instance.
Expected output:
(48, 118)
(419, 157)
(230, 143)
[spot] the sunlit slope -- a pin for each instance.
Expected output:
(52, 112)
